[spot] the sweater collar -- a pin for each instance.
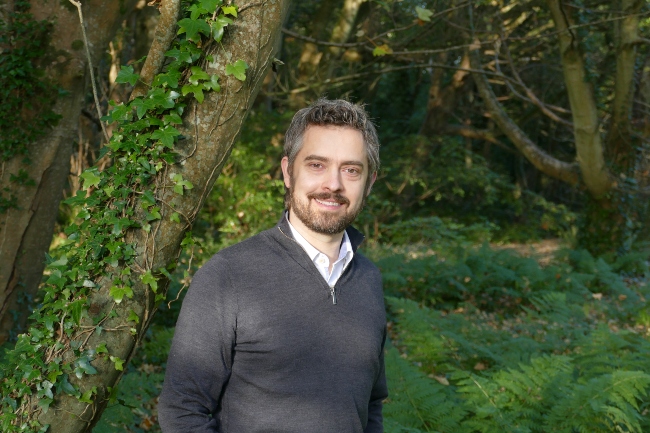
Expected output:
(356, 237)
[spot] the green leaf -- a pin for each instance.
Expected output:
(180, 183)
(198, 74)
(148, 278)
(75, 309)
(238, 69)
(230, 10)
(83, 367)
(218, 27)
(101, 349)
(119, 363)
(119, 292)
(213, 84)
(166, 135)
(171, 77)
(87, 396)
(381, 50)
(133, 317)
(90, 178)
(197, 11)
(126, 75)
(181, 56)
(142, 105)
(192, 27)
(423, 14)
(173, 118)
(117, 114)
(210, 5)
(196, 89)
(175, 217)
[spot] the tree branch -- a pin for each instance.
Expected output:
(163, 37)
(567, 172)
(589, 148)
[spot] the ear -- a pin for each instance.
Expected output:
(285, 171)
(371, 181)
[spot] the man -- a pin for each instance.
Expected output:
(284, 332)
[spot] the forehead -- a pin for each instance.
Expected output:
(334, 142)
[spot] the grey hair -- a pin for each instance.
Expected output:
(338, 112)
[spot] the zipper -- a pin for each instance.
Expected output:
(332, 290)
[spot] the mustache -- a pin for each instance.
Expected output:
(325, 196)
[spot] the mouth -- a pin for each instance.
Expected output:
(330, 201)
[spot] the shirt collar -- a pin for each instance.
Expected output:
(312, 252)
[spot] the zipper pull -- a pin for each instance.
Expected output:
(333, 295)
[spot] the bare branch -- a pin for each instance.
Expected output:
(163, 37)
(567, 172)
(479, 134)
(90, 66)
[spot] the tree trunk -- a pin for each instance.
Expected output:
(209, 131)
(26, 232)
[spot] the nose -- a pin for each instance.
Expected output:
(333, 181)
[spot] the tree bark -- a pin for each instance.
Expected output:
(209, 130)
(586, 126)
(26, 232)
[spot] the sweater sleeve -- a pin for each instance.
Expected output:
(377, 396)
(200, 358)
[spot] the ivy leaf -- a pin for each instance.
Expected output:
(166, 135)
(238, 69)
(382, 50)
(101, 349)
(210, 5)
(87, 396)
(197, 11)
(66, 386)
(218, 27)
(213, 84)
(119, 113)
(75, 309)
(126, 75)
(83, 367)
(171, 77)
(175, 217)
(148, 199)
(423, 14)
(196, 89)
(118, 293)
(173, 118)
(148, 278)
(180, 183)
(230, 10)
(133, 317)
(90, 178)
(192, 27)
(181, 56)
(198, 74)
(142, 105)
(119, 363)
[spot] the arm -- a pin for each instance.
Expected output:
(377, 396)
(200, 358)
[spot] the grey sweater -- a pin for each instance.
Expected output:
(260, 346)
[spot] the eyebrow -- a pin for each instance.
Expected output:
(325, 159)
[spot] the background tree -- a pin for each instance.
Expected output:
(105, 286)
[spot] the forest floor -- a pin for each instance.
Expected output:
(543, 250)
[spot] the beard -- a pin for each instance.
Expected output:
(324, 222)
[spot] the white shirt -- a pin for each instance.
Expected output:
(321, 260)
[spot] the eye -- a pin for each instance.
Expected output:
(315, 165)
(352, 171)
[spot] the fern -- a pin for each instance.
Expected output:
(418, 403)
(605, 403)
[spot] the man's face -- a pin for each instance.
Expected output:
(329, 180)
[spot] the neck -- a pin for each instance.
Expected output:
(330, 245)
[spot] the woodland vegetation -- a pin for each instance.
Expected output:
(503, 124)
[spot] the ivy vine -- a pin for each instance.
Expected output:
(110, 202)
(27, 96)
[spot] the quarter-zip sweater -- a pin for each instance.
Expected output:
(260, 346)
